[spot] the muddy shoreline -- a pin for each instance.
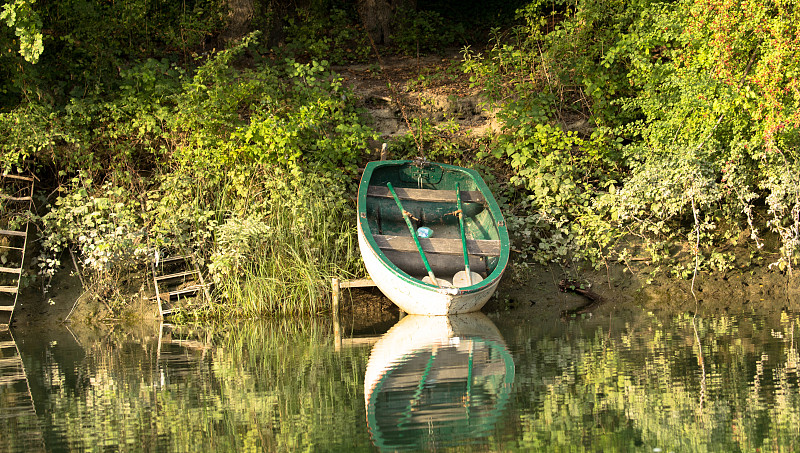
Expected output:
(526, 293)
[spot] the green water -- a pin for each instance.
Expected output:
(611, 382)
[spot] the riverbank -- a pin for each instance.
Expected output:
(434, 89)
(526, 292)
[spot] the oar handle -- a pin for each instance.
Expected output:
(413, 234)
(460, 211)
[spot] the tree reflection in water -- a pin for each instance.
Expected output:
(610, 383)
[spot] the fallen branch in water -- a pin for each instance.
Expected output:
(594, 299)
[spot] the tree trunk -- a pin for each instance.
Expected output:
(377, 17)
(240, 16)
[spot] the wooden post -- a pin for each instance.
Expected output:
(336, 289)
(337, 330)
(335, 299)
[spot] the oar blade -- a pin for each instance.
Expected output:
(461, 279)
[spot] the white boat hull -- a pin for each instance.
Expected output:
(417, 299)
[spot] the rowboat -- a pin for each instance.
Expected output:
(431, 236)
(436, 382)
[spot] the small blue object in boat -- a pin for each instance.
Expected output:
(424, 232)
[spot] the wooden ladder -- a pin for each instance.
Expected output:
(174, 278)
(16, 197)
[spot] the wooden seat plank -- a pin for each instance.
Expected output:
(467, 196)
(477, 247)
(10, 270)
(361, 341)
(7, 289)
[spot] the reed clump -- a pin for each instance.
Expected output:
(276, 255)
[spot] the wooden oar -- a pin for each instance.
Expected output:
(465, 277)
(463, 234)
(413, 235)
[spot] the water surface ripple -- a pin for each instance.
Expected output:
(617, 382)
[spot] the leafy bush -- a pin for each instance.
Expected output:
(329, 34)
(423, 31)
(690, 124)
(284, 115)
(182, 159)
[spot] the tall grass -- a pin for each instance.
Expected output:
(290, 232)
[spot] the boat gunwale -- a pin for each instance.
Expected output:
(491, 203)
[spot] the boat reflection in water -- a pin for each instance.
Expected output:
(437, 381)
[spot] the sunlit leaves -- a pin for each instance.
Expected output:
(20, 16)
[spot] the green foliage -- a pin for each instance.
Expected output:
(103, 225)
(325, 34)
(295, 113)
(27, 25)
(24, 133)
(689, 124)
(87, 44)
(423, 31)
(563, 175)
(100, 222)
(436, 141)
(150, 155)
(234, 165)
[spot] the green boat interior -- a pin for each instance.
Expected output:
(428, 195)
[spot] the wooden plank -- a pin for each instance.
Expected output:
(360, 341)
(176, 275)
(360, 283)
(11, 379)
(10, 198)
(21, 234)
(7, 344)
(11, 270)
(16, 412)
(180, 292)
(467, 196)
(11, 361)
(21, 178)
(166, 295)
(10, 290)
(477, 247)
(172, 259)
(187, 290)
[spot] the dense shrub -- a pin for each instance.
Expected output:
(176, 156)
(691, 119)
